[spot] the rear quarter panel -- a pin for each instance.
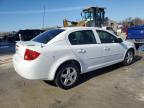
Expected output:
(60, 52)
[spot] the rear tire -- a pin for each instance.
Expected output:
(67, 76)
(128, 57)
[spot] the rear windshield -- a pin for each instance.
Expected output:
(47, 36)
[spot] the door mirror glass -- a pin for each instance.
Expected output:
(119, 40)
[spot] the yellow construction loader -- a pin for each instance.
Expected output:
(91, 17)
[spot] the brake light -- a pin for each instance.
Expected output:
(30, 54)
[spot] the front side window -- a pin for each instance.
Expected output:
(47, 36)
(82, 37)
(106, 37)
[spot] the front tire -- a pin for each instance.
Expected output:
(129, 57)
(67, 76)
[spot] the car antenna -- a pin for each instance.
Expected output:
(42, 45)
(20, 37)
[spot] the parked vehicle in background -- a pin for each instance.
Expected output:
(136, 35)
(27, 35)
(63, 54)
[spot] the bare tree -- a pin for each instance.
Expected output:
(138, 21)
(132, 22)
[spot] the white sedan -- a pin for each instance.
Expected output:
(61, 55)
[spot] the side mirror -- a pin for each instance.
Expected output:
(119, 40)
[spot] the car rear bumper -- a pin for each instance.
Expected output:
(36, 69)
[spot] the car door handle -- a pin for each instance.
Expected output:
(81, 51)
(107, 49)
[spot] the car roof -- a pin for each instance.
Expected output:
(80, 28)
(69, 29)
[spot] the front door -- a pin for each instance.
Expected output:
(112, 50)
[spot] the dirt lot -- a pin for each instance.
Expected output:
(111, 87)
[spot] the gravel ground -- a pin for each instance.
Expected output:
(111, 87)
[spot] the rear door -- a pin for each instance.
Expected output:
(112, 50)
(84, 45)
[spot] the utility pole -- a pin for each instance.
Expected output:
(43, 17)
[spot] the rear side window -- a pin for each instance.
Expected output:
(47, 36)
(106, 37)
(82, 37)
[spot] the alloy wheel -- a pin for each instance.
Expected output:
(68, 76)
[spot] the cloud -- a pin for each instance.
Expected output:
(41, 11)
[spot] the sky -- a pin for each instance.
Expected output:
(28, 14)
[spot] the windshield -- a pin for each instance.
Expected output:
(47, 36)
(88, 16)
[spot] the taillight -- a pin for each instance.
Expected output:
(30, 54)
